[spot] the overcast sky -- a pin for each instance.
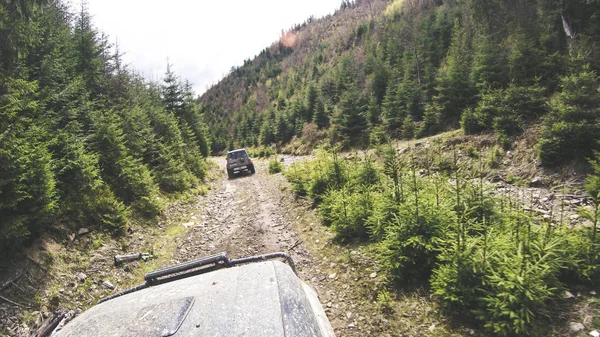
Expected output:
(202, 39)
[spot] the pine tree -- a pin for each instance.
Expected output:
(312, 96)
(455, 92)
(27, 182)
(490, 68)
(171, 92)
(572, 127)
(84, 196)
(88, 50)
(129, 177)
(351, 117)
(321, 113)
(392, 111)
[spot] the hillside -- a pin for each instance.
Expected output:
(84, 140)
(377, 70)
(452, 187)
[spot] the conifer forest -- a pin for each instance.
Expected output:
(418, 131)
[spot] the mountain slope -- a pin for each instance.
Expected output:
(412, 68)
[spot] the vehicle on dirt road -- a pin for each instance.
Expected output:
(212, 296)
(238, 161)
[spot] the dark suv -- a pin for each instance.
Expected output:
(237, 161)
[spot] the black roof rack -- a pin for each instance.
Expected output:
(196, 267)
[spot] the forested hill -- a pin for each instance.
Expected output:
(84, 141)
(412, 68)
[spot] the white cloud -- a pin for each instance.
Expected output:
(202, 39)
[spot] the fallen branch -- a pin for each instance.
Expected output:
(36, 263)
(61, 324)
(50, 324)
(5, 285)
(18, 287)
(119, 259)
(572, 196)
(296, 244)
(12, 302)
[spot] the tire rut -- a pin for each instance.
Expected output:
(242, 216)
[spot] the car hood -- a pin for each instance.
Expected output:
(259, 299)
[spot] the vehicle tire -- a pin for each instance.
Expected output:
(252, 170)
(230, 174)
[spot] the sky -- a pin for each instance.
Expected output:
(202, 39)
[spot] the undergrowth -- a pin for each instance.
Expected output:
(432, 218)
(275, 166)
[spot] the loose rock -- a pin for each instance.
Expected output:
(108, 285)
(81, 277)
(536, 182)
(576, 327)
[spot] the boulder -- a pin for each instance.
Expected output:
(536, 182)
(576, 327)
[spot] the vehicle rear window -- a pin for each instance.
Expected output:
(237, 155)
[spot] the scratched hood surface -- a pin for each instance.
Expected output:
(259, 299)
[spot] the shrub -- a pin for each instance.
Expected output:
(431, 122)
(262, 152)
(384, 210)
(347, 212)
(504, 141)
(472, 151)
(329, 173)
(275, 166)
(367, 174)
(411, 244)
(378, 136)
(469, 122)
(495, 157)
(298, 175)
(485, 262)
(518, 289)
(457, 280)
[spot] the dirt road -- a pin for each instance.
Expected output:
(257, 214)
(242, 216)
